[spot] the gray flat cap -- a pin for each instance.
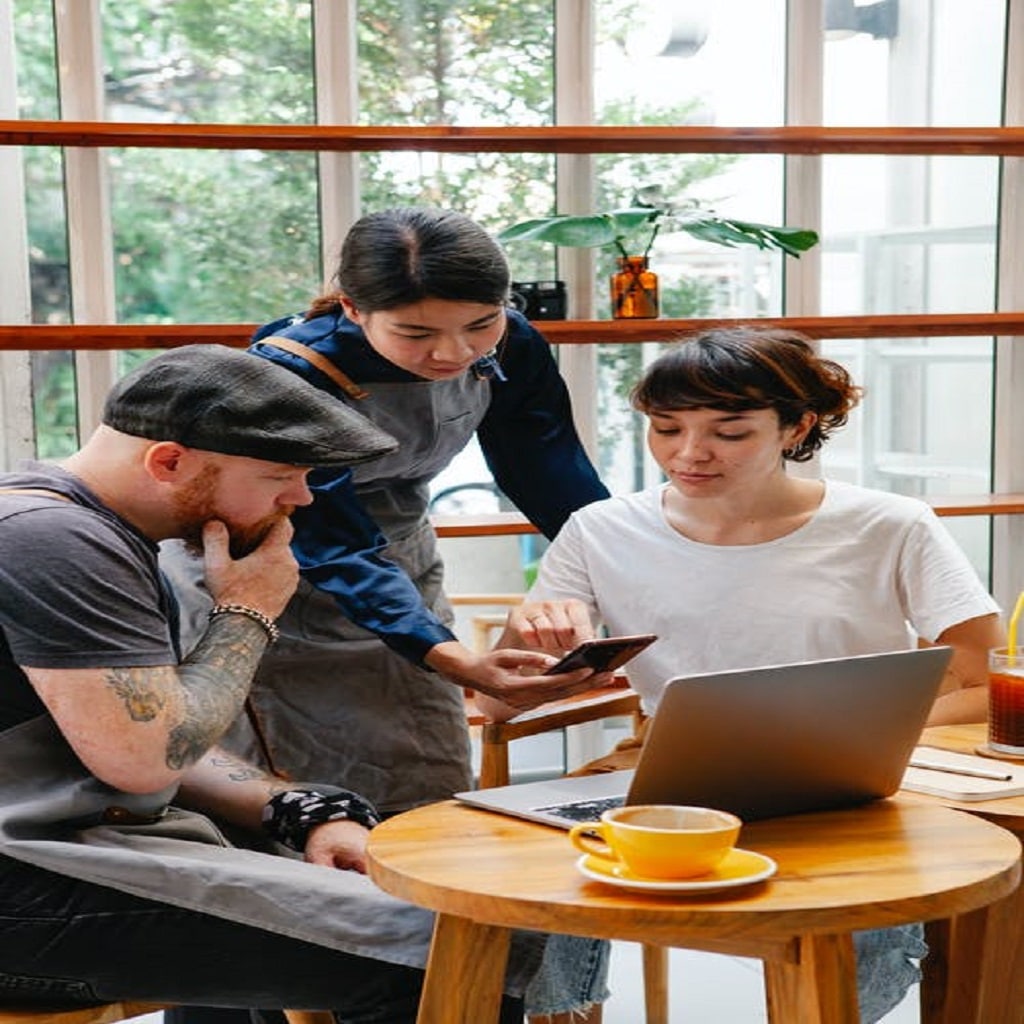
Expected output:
(221, 399)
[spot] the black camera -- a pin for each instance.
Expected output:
(539, 300)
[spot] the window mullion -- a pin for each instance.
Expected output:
(90, 242)
(16, 433)
(574, 104)
(337, 102)
(1008, 426)
(805, 60)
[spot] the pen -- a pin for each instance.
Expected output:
(974, 773)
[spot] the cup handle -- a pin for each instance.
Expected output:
(582, 838)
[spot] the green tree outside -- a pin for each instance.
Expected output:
(233, 236)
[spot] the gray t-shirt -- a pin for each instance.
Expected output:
(79, 588)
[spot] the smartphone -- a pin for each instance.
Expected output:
(604, 654)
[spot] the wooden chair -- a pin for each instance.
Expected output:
(106, 1013)
(591, 706)
(110, 1013)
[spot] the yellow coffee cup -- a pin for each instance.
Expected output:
(660, 840)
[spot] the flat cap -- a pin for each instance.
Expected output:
(221, 399)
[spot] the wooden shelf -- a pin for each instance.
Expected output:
(796, 139)
(501, 524)
(494, 524)
(977, 504)
(107, 337)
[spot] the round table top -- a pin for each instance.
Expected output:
(888, 862)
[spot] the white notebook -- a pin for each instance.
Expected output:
(962, 787)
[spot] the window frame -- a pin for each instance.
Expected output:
(83, 134)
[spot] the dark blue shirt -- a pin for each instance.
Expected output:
(528, 440)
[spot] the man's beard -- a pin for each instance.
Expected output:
(194, 506)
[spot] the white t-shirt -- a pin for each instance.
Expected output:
(869, 572)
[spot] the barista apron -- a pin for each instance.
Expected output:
(53, 814)
(330, 700)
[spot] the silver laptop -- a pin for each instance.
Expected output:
(759, 742)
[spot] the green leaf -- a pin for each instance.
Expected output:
(582, 231)
(524, 229)
(727, 232)
(790, 240)
(634, 217)
(566, 229)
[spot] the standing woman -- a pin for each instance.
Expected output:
(365, 685)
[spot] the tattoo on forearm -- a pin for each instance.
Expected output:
(215, 679)
(134, 686)
(237, 769)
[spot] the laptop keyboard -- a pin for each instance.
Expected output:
(585, 810)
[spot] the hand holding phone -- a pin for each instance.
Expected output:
(603, 654)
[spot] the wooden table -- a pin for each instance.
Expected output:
(888, 863)
(1002, 994)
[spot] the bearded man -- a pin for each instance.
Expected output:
(116, 881)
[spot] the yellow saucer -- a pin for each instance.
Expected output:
(740, 867)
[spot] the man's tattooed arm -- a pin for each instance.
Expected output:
(229, 788)
(204, 693)
(215, 679)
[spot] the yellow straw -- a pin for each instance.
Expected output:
(1011, 637)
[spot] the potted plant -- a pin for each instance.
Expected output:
(631, 232)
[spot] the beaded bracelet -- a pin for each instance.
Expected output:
(289, 817)
(250, 613)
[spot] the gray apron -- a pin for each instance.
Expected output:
(330, 701)
(51, 810)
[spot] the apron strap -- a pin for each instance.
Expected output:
(262, 742)
(40, 492)
(322, 363)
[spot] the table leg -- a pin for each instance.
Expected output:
(1002, 980)
(1002, 985)
(655, 960)
(935, 971)
(820, 988)
(465, 972)
(972, 979)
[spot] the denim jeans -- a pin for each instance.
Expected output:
(573, 975)
(887, 966)
(65, 943)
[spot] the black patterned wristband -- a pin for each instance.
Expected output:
(289, 817)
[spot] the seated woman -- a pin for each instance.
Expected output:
(735, 562)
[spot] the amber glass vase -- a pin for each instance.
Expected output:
(634, 289)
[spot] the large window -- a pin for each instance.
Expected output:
(243, 235)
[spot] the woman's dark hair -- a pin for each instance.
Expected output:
(400, 256)
(741, 368)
